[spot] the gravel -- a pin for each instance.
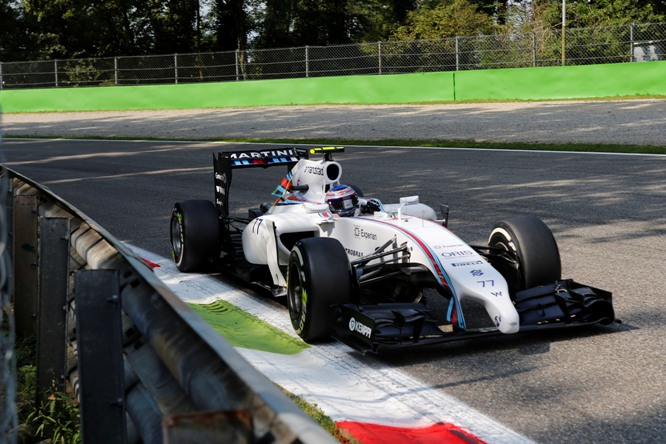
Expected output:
(639, 122)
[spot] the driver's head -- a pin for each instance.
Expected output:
(342, 200)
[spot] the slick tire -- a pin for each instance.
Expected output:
(358, 190)
(535, 249)
(318, 277)
(195, 234)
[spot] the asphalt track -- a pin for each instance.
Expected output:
(639, 122)
(600, 384)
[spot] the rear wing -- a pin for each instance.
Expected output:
(227, 161)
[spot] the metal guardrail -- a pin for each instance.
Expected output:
(582, 46)
(8, 413)
(144, 366)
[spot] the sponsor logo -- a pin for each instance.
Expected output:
(222, 178)
(354, 253)
(466, 264)
(360, 233)
(358, 327)
(459, 253)
(317, 171)
(263, 154)
(477, 272)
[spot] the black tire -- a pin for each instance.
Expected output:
(318, 276)
(535, 248)
(195, 234)
(359, 192)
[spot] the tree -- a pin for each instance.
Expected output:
(89, 28)
(167, 26)
(376, 20)
(594, 13)
(15, 42)
(275, 24)
(284, 23)
(498, 9)
(453, 18)
(231, 24)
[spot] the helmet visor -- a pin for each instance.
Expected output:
(344, 203)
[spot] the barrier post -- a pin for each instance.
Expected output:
(26, 254)
(52, 306)
(100, 356)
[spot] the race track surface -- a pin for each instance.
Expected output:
(600, 384)
(640, 122)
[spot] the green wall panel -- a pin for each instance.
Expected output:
(403, 88)
(568, 82)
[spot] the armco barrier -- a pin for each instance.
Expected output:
(145, 367)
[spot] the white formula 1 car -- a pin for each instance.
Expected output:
(364, 272)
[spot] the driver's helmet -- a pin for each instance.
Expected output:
(342, 200)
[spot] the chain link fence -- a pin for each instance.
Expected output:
(582, 46)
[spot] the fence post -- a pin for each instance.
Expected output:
(55, 69)
(631, 43)
(175, 68)
(307, 61)
(1, 82)
(236, 61)
(115, 70)
(534, 50)
(457, 54)
(564, 32)
(379, 57)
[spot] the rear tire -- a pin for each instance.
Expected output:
(195, 234)
(318, 276)
(358, 191)
(535, 248)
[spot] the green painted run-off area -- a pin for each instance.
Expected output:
(567, 82)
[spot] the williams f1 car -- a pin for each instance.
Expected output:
(366, 272)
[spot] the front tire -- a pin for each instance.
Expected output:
(530, 241)
(318, 276)
(195, 234)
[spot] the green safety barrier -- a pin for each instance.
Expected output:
(563, 82)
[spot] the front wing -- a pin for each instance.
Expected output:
(379, 327)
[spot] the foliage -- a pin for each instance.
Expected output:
(457, 18)
(57, 419)
(320, 418)
(26, 372)
(13, 30)
(59, 29)
(596, 13)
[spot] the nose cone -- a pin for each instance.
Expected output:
(503, 313)
(508, 322)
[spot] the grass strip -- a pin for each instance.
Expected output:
(244, 330)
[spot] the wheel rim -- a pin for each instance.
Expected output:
(295, 292)
(176, 237)
(513, 276)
